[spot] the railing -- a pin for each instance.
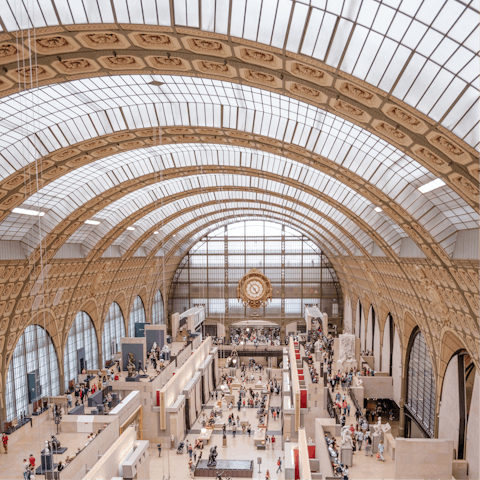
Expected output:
(331, 408)
(354, 400)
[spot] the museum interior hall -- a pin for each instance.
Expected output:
(239, 239)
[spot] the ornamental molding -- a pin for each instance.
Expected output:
(254, 289)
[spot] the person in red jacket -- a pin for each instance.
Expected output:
(5, 442)
(31, 459)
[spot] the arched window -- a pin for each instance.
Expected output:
(421, 384)
(137, 315)
(113, 331)
(34, 353)
(81, 350)
(157, 310)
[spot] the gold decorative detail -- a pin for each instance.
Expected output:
(131, 145)
(71, 152)
(103, 40)
(350, 110)
(434, 296)
(215, 68)
(122, 62)
(154, 41)
(104, 152)
(120, 137)
(9, 53)
(254, 289)
(307, 72)
(465, 185)
(179, 131)
(257, 57)
(474, 170)
(404, 118)
(447, 147)
(73, 66)
(208, 47)
(165, 63)
(78, 162)
(4, 83)
(430, 158)
(391, 132)
(93, 144)
(306, 92)
(359, 94)
(31, 74)
(52, 44)
(260, 77)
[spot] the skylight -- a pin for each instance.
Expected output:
(428, 187)
(25, 211)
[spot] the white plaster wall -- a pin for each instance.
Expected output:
(397, 368)
(347, 316)
(376, 345)
(291, 327)
(369, 342)
(449, 414)
(198, 395)
(386, 348)
(362, 331)
(473, 431)
(357, 320)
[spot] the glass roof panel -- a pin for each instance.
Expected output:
(371, 39)
(72, 190)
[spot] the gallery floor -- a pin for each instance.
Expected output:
(241, 447)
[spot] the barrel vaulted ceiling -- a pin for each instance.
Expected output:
(153, 117)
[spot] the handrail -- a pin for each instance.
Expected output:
(354, 399)
(331, 408)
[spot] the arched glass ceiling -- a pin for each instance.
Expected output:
(40, 121)
(227, 187)
(212, 227)
(204, 215)
(72, 190)
(195, 230)
(422, 52)
(60, 200)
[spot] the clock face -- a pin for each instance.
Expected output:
(254, 289)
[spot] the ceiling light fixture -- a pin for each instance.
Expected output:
(92, 222)
(428, 187)
(130, 228)
(378, 209)
(155, 233)
(25, 211)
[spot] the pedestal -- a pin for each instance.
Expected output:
(376, 439)
(318, 357)
(224, 441)
(346, 455)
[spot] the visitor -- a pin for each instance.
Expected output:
(381, 449)
(360, 437)
(368, 445)
(69, 399)
(279, 465)
(234, 429)
(267, 475)
(60, 466)
(26, 467)
(273, 441)
(159, 446)
(31, 459)
(5, 442)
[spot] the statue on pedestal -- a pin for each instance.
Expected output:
(347, 439)
(55, 443)
(377, 427)
(212, 458)
(131, 365)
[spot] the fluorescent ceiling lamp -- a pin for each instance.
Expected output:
(378, 209)
(155, 233)
(130, 228)
(428, 187)
(24, 211)
(92, 222)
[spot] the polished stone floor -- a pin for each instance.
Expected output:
(240, 447)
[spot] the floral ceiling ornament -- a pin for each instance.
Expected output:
(254, 289)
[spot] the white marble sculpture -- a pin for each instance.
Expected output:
(346, 358)
(165, 348)
(317, 346)
(347, 439)
(377, 427)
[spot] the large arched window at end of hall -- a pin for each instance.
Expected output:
(137, 315)
(81, 351)
(113, 331)
(158, 317)
(420, 404)
(34, 360)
